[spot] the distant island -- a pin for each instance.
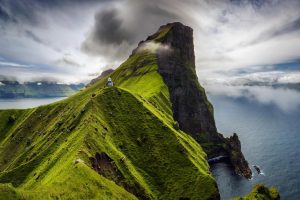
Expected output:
(14, 89)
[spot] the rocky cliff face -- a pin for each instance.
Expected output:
(190, 105)
(191, 108)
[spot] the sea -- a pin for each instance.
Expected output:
(269, 133)
(270, 138)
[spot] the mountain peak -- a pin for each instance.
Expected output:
(190, 106)
(175, 35)
(176, 29)
(173, 47)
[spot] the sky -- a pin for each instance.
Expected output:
(72, 41)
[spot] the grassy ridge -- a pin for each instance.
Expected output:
(46, 152)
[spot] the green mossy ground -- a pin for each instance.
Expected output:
(260, 192)
(45, 152)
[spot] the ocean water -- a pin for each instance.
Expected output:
(270, 138)
(26, 102)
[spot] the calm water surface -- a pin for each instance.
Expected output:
(270, 139)
(26, 102)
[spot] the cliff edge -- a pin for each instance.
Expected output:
(190, 106)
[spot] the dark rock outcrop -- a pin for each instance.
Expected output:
(191, 108)
(106, 167)
(190, 105)
(237, 158)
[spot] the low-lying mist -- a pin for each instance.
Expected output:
(287, 100)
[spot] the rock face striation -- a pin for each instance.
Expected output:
(190, 106)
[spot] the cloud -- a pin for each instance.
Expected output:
(108, 36)
(108, 28)
(118, 29)
(67, 60)
(242, 35)
(153, 47)
(34, 37)
(228, 34)
(12, 64)
(285, 99)
(7, 78)
(29, 12)
(49, 40)
(4, 16)
(260, 75)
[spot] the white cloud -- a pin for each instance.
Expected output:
(244, 36)
(290, 78)
(53, 46)
(285, 99)
(260, 76)
(227, 36)
(153, 47)
(4, 63)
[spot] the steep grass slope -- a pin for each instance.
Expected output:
(113, 143)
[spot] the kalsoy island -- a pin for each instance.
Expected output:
(150, 136)
(145, 129)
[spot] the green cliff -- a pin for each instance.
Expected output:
(104, 142)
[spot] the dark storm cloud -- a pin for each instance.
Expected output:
(117, 30)
(108, 28)
(4, 16)
(25, 11)
(19, 11)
